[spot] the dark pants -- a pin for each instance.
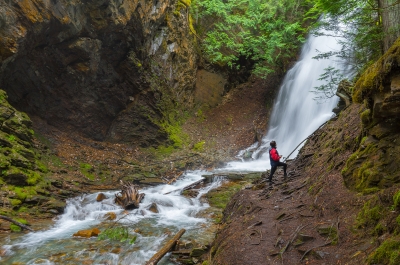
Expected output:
(274, 167)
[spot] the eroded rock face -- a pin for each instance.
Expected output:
(99, 67)
(376, 163)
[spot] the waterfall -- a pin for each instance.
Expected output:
(296, 114)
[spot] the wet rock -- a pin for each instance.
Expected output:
(153, 208)
(57, 183)
(101, 196)
(110, 216)
(55, 204)
(116, 250)
(87, 233)
(53, 211)
(197, 252)
(247, 155)
(190, 193)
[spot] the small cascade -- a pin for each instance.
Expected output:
(57, 246)
(296, 114)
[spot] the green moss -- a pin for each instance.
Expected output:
(199, 146)
(41, 166)
(15, 202)
(371, 81)
(369, 216)
(379, 229)
(219, 198)
(87, 170)
(366, 117)
(398, 220)
(363, 140)
(34, 178)
(396, 199)
(11, 138)
(16, 228)
(386, 253)
(370, 190)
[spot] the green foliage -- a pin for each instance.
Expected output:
(386, 253)
(396, 199)
(331, 78)
(362, 36)
(199, 146)
(117, 234)
(264, 32)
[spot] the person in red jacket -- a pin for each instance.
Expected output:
(274, 158)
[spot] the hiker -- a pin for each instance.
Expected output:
(275, 163)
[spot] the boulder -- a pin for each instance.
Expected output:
(101, 196)
(110, 216)
(153, 208)
(87, 233)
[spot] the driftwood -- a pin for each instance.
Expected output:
(16, 223)
(165, 249)
(190, 186)
(129, 197)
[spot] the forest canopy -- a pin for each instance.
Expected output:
(267, 34)
(264, 33)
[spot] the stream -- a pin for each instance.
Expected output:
(295, 116)
(57, 246)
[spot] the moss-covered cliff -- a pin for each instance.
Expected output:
(376, 163)
(25, 189)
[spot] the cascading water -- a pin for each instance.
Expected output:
(296, 114)
(57, 246)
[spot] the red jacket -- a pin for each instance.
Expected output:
(274, 155)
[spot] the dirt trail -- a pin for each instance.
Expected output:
(307, 219)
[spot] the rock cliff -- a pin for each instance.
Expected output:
(109, 69)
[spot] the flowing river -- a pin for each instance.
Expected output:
(57, 246)
(295, 115)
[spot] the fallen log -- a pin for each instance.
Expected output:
(129, 197)
(192, 185)
(165, 249)
(16, 223)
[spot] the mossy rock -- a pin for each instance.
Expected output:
(372, 81)
(54, 204)
(15, 176)
(386, 253)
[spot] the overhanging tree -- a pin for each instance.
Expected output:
(265, 32)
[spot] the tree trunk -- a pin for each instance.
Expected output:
(390, 12)
(165, 249)
(129, 197)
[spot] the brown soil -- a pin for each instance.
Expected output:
(281, 225)
(233, 125)
(226, 129)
